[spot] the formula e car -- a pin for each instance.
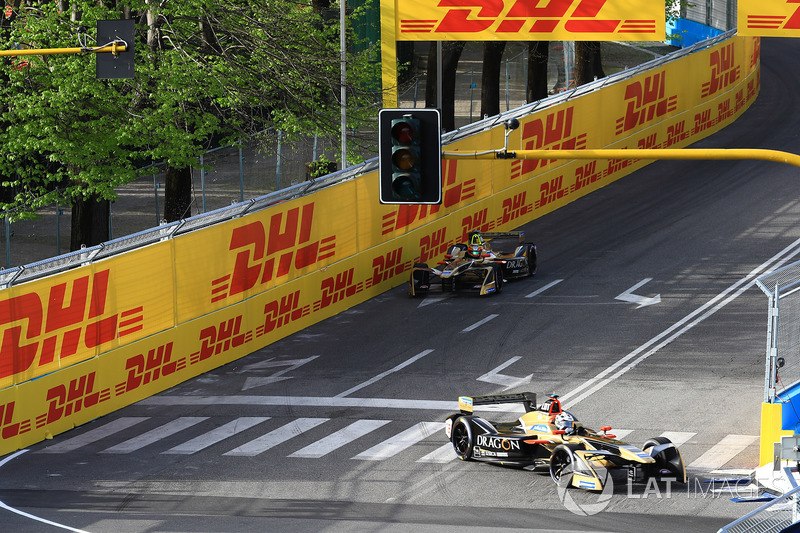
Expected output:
(476, 266)
(548, 436)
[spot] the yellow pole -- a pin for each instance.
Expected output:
(686, 153)
(113, 48)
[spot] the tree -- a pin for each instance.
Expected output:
(490, 77)
(451, 53)
(205, 72)
(538, 55)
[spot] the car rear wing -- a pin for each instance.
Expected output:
(466, 404)
(504, 235)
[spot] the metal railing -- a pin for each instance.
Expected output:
(771, 517)
(46, 267)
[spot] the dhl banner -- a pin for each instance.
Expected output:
(521, 20)
(85, 342)
(769, 18)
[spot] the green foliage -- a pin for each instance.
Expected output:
(206, 72)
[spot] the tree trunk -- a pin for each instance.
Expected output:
(89, 222)
(588, 62)
(538, 55)
(490, 77)
(177, 193)
(451, 53)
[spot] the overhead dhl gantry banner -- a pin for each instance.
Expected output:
(769, 18)
(539, 20)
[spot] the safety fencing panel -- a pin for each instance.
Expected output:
(79, 344)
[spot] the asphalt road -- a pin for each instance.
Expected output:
(338, 427)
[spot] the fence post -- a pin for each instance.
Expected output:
(203, 181)
(278, 171)
(241, 175)
(772, 347)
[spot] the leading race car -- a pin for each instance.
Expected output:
(476, 266)
(547, 435)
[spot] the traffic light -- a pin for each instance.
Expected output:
(410, 162)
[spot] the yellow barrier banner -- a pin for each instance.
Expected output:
(62, 320)
(769, 18)
(529, 20)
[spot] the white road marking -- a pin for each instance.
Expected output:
(401, 441)
(336, 440)
(723, 451)
(217, 435)
(641, 301)
(479, 323)
(154, 435)
(94, 435)
(384, 374)
(678, 437)
(275, 437)
(641, 353)
(310, 401)
(542, 289)
(494, 375)
(443, 454)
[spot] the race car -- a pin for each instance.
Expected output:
(548, 436)
(476, 266)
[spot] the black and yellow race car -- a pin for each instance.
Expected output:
(476, 265)
(548, 436)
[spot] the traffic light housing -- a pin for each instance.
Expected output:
(410, 162)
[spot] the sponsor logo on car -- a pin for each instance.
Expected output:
(498, 442)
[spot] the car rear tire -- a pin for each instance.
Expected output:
(461, 437)
(530, 253)
(669, 459)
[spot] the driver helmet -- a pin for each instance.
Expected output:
(474, 252)
(476, 240)
(566, 422)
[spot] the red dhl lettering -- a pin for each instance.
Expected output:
(147, 368)
(385, 267)
(739, 101)
(724, 110)
(218, 339)
(724, 71)
(337, 288)
(616, 165)
(647, 142)
(478, 221)
(524, 16)
(71, 398)
(554, 132)
(8, 428)
(73, 313)
(702, 120)
(551, 191)
(433, 245)
(586, 175)
(775, 22)
(676, 133)
(515, 207)
(279, 313)
(646, 101)
(264, 254)
(756, 55)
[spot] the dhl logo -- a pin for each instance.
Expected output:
(215, 340)
(8, 428)
(514, 208)
(647, 101)
(279, 313)
(71, 320)
(550, 191)
(433, 245)
(518, 19)
(267, 253)
(337, 288)
(553, 132)
(585, 175)
(146, 368)
(788, 20)
(724, 70)
(478, 221)
(67, 399)
(387, 266)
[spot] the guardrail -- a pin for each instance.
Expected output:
(771, 517)
(39, 269)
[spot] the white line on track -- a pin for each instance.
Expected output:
(542, 289)
(28, 515)
(619, 368)
(383, 374)
(723, 451)
(479, 323)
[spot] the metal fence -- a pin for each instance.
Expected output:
(783, 330)
(771, 517)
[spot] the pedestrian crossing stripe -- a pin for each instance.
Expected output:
(717, 456)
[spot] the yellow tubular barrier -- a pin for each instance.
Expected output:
(695, 154)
